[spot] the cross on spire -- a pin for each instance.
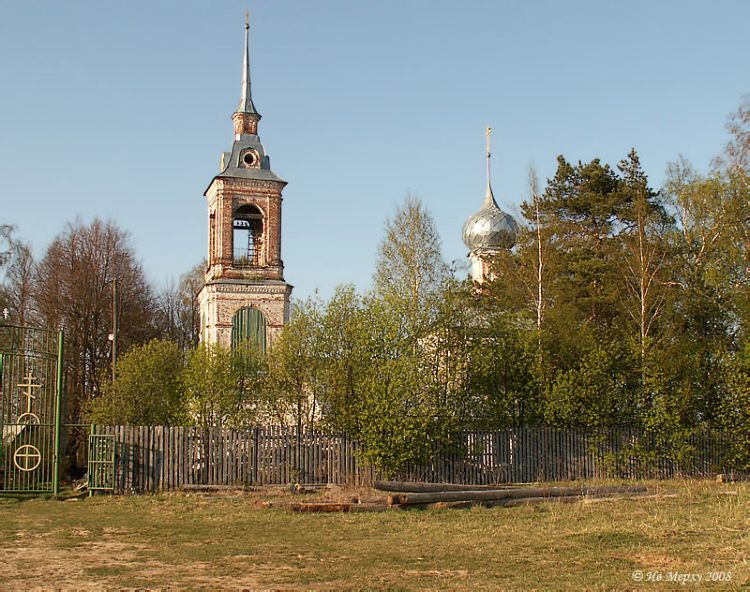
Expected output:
(489, 198)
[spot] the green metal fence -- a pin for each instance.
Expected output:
(101, 465)
(30, 405)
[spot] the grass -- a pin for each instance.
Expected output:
(210, 542)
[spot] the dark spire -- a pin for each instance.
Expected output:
(246, 100)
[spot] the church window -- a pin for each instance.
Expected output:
(212, 237)
(249, 158)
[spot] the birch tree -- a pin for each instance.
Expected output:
(410, 270)
(644, 241)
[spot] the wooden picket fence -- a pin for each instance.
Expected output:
(150, 459)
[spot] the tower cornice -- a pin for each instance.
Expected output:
(238, 185)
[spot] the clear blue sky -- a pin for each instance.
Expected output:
(121, 110)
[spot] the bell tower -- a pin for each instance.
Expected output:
(244, 296)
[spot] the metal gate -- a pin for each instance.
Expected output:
(30, 405)
(101, 462)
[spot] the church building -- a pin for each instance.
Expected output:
(244, 296)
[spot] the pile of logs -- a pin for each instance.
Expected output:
(444, 495)
(434, 496)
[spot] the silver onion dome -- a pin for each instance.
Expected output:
(490, 228)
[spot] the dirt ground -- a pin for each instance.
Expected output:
(236, 541)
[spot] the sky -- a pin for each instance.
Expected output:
(120, 110)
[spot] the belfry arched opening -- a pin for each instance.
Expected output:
(247, 237)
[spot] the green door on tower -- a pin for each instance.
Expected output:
(249, 325)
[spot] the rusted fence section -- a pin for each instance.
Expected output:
(150, 459)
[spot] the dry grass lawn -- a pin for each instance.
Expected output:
(194, 541)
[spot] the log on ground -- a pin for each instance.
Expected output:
(499, 494)
(509, 503)
(189, 487)
(320, 507)
(462, 505)
(528, 501)
(408, 487)
(337, 507)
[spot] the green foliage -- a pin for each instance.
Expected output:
(158, 384)
(734, 410)
(215, 384)
(501, 381)
(347, 346)
(147, 390)
(397, 427)
(594, 392)
(580, 210)
(620, 306)
(350, 365)
(410, 272)
(293, 379)
(400, 413)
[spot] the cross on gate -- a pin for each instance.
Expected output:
(29, 385)
(27, 458)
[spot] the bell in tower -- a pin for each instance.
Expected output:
(244, 297)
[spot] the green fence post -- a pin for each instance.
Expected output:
(92, 468)
(2, 411)
(58, 412)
